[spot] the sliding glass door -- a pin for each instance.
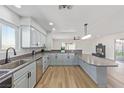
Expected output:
(119, 50)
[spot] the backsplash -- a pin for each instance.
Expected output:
(18, 53)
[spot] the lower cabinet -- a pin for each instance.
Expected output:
(25, 77)
(63, 59)
(22, 82)
(45, 62)
(32, 75)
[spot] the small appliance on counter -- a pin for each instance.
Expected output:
(100, 50)
(42, 50)
(63, 49)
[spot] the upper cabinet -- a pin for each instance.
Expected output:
(31, 36)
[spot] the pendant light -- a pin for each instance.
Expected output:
(86, 36)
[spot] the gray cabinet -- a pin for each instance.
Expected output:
(63, 59)
(53, 58)
(45, 62)
(69, 59)
(25, 77)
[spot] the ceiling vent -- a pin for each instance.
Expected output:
(65, 7)
(76, 37)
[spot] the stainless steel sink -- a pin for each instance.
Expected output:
(14, 64)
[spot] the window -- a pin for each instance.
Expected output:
(7, 35)
(68, 46)
(119, 49)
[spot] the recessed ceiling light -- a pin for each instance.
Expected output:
(18, 6)
(50, 23)
(53, 29)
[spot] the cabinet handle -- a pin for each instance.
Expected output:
(29, 75)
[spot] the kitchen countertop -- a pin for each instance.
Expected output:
(89, 59)
(11, 71)
(97, 61)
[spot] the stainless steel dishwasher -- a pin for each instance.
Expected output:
(39, 69)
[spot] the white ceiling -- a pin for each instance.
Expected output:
(102, 20)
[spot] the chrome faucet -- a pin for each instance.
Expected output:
(6, 60)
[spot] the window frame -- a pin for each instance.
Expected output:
(3, 22)
(68, 43)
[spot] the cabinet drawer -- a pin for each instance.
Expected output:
(20, 72)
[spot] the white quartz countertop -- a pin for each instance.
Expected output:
(97, 61)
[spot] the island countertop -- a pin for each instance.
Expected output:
(97, 61)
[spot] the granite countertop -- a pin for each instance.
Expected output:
(89, 59)
(97, 61)
(9, 72)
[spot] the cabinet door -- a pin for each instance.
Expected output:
(42, 39)
(65, 59)
(22, 82)
(47, 61)
(60, 59)
(44, 65)
(69, 59)
(76, 60)
(25, 36)
(73, 59)
(32, 71)
(53, 59)
(38, 39)
(33, 38)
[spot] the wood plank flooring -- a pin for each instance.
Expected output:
(75, 77)
(116, 76)
(65, 77)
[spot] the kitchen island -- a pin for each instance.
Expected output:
(96, 68)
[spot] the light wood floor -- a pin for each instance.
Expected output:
(116, 76)
(68, 76)
(65, 77)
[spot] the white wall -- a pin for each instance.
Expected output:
(85, 45)
(9, 16)
(30, 21)
(109, 42)
(49, 41)
(89, 46)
